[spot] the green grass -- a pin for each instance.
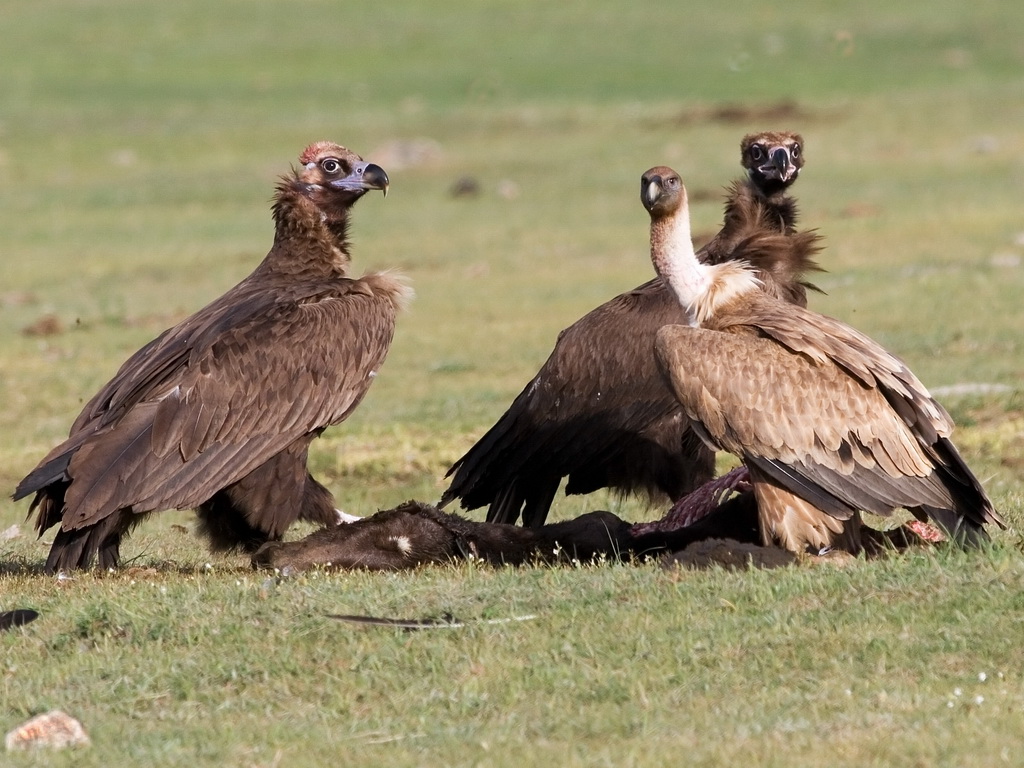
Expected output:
(139, 143)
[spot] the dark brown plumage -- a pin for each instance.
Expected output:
(217, 413)
(828, 422)
(598, 412)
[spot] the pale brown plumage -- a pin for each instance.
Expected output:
(828, 422)
(598, 411)
(217, 413)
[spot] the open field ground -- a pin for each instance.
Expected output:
(139, 143)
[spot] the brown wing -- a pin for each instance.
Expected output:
(825, 339)
(217, 396)
(829, 436)
(597, 411)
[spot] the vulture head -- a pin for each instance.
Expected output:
(773, 159)
(661, 191)
(333, 177)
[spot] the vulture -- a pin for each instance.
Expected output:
(217, 413)
(598, 411)
(828, 423)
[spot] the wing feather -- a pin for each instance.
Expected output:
(807, 408)
(597, 412)
(217, 396)
(826, 340)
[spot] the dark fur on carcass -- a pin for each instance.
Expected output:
(414, 534)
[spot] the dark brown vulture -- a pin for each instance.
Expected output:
(828, 423)
(217, 413)
(598, 412)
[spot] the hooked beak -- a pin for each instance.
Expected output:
(650, 190)
(364, 177)
(779, 165)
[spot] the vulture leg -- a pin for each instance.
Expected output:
(700, 503)
(260, 507)
(318, 504)
(798, 525)
(226, 526)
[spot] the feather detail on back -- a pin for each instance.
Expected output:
(730, 280)
(394, 285)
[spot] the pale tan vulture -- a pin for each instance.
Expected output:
(828, 423)
(598, 412)
(217, 413)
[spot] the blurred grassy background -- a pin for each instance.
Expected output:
(139, 144)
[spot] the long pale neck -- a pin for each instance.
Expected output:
(675, 261)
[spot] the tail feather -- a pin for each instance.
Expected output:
(77, 549)
(535, 510)
(46, 474)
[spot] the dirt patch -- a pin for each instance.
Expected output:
(47, 325)
(775, 112)
(728, 554)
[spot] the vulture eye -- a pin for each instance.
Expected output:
(796, 151)
(330, 165)
(756, 152)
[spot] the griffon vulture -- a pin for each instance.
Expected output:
(217, 413)
(828, 423)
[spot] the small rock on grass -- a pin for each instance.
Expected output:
(54, 729)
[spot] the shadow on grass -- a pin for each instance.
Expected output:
(135, 568)
(19, 566)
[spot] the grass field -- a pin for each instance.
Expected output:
(139, 143)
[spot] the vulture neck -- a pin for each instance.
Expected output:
(307, 242)
(780, 204)
(747, 201)
(702, 289)
(771, 190)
